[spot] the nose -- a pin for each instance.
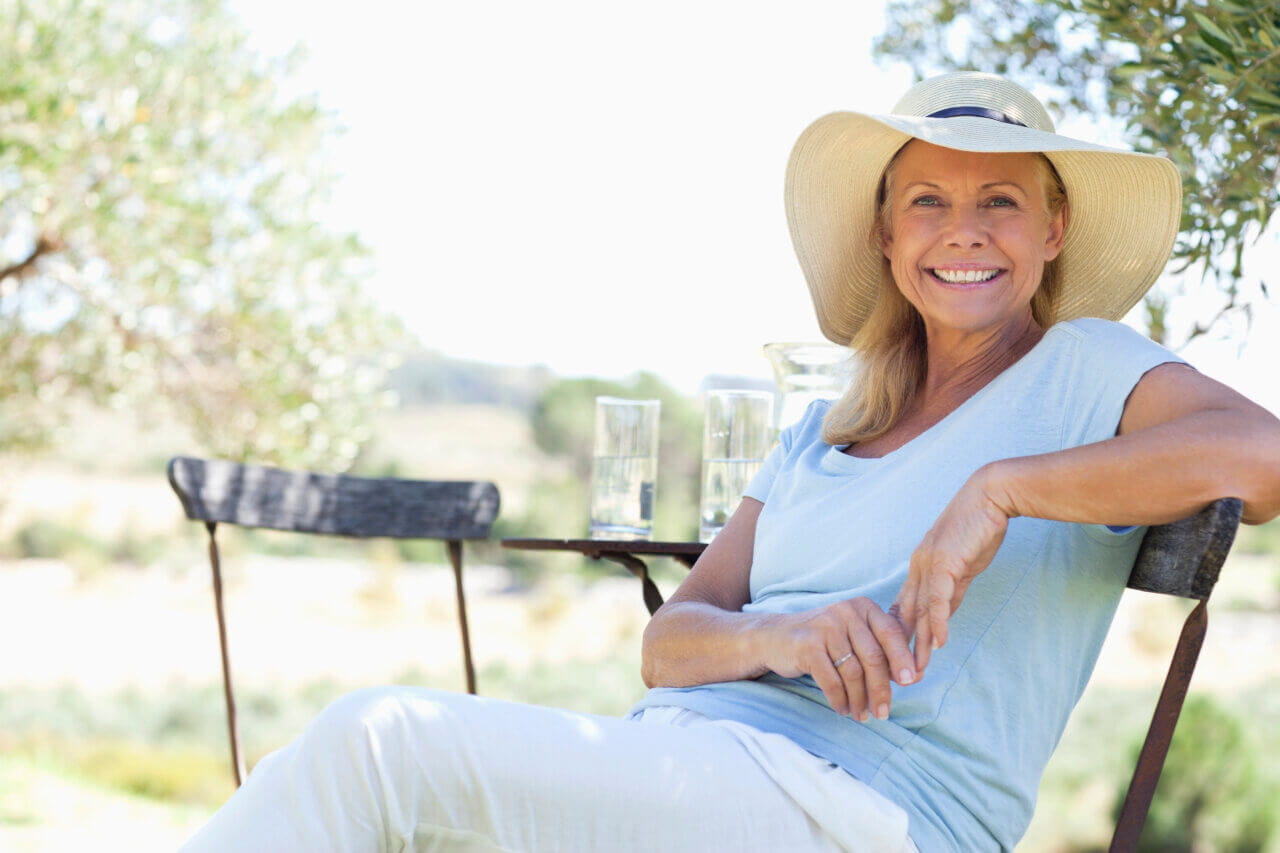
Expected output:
(965, 228)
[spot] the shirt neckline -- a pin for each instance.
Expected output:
(854, 463)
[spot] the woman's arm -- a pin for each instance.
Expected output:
(1184, 441)
(701, 634)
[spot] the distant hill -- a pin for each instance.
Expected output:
(429, 378)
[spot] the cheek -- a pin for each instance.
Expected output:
(1032, 242)
(903, 245)
(907, 286)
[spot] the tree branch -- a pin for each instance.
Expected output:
(46, 245)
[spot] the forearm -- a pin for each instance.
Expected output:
(1152, 476)
(692, 642)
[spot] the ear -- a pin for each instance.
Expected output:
(1057, 232)
(886, 241)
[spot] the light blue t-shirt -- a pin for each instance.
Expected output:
(963, 749)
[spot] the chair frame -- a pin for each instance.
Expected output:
(1183, 558)
(218, 491)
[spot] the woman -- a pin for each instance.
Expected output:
(880, 649)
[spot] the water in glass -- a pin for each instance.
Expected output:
(622, 492)
(723, 482)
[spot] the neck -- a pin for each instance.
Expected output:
(959, 364)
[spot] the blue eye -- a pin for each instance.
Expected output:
(927, 201)
(1002, 201)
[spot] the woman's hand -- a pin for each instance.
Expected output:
(959, 546)
(852, 648)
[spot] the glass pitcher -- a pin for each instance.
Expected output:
(805, 372)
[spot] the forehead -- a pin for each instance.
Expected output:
(922, 161)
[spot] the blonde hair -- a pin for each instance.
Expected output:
(890, 346)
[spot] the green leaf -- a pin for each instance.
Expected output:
(1219, 75)
(1130, 69)
(1211, 28)
(1215, 44)
(1263, 98)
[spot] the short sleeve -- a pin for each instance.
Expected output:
(762, 483)
(1113, 358)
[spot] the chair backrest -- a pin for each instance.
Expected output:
(336, 504)
(1185, 557)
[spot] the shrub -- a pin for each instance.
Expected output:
(1211, 795)
(45, 538)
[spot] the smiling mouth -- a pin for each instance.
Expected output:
(965, 276)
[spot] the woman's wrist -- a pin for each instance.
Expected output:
(999, 484)
(757, 637)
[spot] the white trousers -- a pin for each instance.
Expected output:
(395, 769)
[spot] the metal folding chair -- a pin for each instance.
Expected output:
(1182, 558)
(214, 492)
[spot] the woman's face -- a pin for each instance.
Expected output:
(968, 235)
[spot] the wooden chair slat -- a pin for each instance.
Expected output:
(1185, 557)
(333, 504)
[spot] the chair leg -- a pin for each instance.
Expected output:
(237, 762)
(1133, 814)
(455, 557)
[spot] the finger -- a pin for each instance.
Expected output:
(933, 608)
(904, 606)
(875, 670)
(852, 674)
(923, 647)
(939, 609)
(831, 684)
(896, 645)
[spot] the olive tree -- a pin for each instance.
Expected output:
(162, 245)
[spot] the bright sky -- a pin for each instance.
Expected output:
(596, 186)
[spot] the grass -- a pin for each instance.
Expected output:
(169, 747)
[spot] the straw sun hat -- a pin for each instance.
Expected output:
(1124, 207)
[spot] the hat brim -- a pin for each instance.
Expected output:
(1125, 209)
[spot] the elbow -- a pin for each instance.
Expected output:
(648, 670)
(1262, 500)
(650, 657)
(1258, 480)
(667, 646)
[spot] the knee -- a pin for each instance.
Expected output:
(355, 721)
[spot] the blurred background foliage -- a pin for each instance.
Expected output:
(161, 246)
(1215, 793)
(1198, 82)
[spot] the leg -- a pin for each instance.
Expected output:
(409, 769)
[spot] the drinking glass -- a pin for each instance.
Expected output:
(737, 435)
(806, 372)
(624, 468)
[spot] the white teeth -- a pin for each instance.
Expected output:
(965, 276)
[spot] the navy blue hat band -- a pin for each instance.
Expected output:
(980, 112)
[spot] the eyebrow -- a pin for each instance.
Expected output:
(986, 186)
